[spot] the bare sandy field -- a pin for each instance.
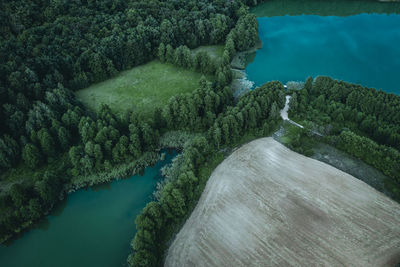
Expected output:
(266, 205)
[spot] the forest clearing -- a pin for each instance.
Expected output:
(142, 88)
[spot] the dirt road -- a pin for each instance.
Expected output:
(266, 205)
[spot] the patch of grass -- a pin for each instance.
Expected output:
(296, 139)
(324, 8)
(141, 89)
(208, 167)
(215, 51)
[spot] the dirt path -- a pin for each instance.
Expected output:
(284, 113)
(285, 116)
(266, 205)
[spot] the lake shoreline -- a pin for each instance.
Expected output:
(341, 8)
(240, 84)
(240, 60)
(120, 172)
(100, 219)
(294, 48)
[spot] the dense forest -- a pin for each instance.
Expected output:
(51, 48)
(54, 144)
(361, 121)
(336, 103)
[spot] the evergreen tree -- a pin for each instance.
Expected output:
(274, 113)
(293, 104)
(230, 46)
(46, 142)
(31, 155)
(217, 136)
(308, 84)
(169, 54)
(63, 137)
(9, 150)
(161, 52)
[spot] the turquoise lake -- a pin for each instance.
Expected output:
(92, 227)
(362, 49)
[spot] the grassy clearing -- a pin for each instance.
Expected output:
(324, 8)
(213, 50)
(298, 140)
(208, 167)
(142, 88)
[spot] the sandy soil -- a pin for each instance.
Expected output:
(266, 205)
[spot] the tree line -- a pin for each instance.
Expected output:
(175, 199)
(370, 112)
(26, 202)
(60, 47)
(386, 159)
(256, 111)
(361, 121)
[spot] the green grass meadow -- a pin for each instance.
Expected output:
(141, 88)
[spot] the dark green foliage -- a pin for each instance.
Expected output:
(375, 114)
(161, 52)
(49, 188)
(9, 151)
(149, 137)
(142, 258)
(55, 47)
(19, 194)
(245, 33)
(299, 139)
(383, 158)
(159, 217)
(250, 113)
(51, 48)
(26, 202)
(371, 115)
(64, 137)
(46, 142)
(158, 120)
(31, 156)
(60, 46)
(230, 46)
(294, 103)
(177, 196)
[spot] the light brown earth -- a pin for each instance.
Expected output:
(266, 205)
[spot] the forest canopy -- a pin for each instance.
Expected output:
(50, 143)
(49, 49)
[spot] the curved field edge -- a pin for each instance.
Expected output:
(267, 204)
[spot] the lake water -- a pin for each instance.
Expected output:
(363, 49)
(92, 228)
(95, 227)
